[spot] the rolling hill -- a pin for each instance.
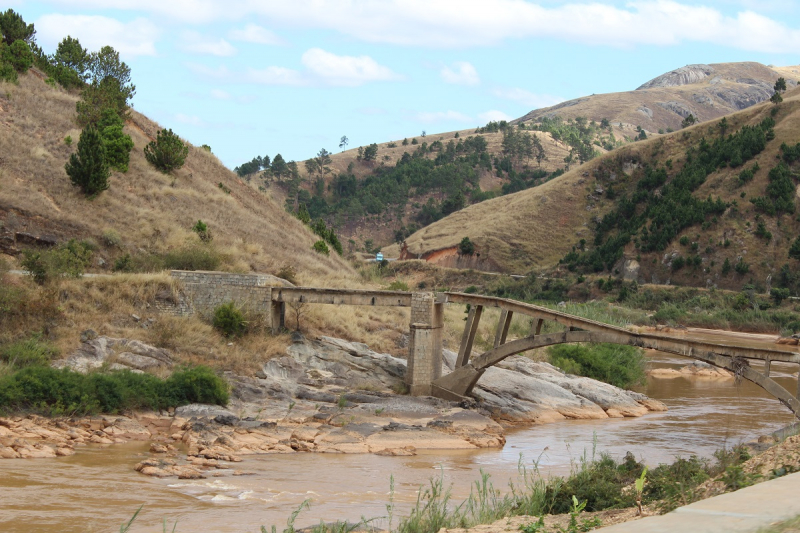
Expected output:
(746, 223)
(144, 212)
(594, 124)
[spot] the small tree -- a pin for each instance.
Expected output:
(776, 98)
(780, 85)
(88, 168)
(688, 121)
(118, 144)
(343, 142)
(466, 247)
(201, 228)
(13, 28)
(167, 152)
(229, 320)
(794, 250)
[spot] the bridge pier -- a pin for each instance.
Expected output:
(425, 343)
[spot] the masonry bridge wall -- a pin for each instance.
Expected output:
(202, 292)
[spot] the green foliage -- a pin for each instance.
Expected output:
(118, 145)
(741, 267)
(28, 352)
(621, 366)
(167, 152)
(726, 266)
(201, 228)
(321, 248)
(466, 247)
(110, 87)
(688, 121)
(13, 28)
(662, 206)
(88, 168)
(780, 192)
(779, 294)
(18, 55)
(64, 392)
(230, 320)
(67, 260)
(72, 62)
(794, 249)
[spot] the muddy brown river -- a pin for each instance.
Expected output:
(97, 489)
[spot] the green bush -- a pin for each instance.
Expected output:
(18, 55)
(28, 352)
(398, 285)
(621, 366)
(229, 320)
(321, 248)
(200, 257)
(466, 247)
(201, 228)
(64, 392)
(167, 152)
(67, 260)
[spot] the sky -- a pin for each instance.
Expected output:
(260, 77)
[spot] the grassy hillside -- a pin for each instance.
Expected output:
(534, 229)
(570, 133)
(145, 212)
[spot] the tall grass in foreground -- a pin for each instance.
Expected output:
(595, 484)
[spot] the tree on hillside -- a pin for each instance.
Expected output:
(18, 55)
(73, 57)
(167, 152)
(118, 145)
(279, 167)
(13, 28)
(371, 152)
(343, 142)
(110, 87)
(780, 85)
(794, 250)
(88, 168)
(688, 121)
(538, 151)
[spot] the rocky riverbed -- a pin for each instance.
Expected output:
(325, 395)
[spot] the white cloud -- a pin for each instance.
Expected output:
(252, 33)
(443, 116)
(455, 23)
(493, 115)
(462, 73)
(526, 97)
(190, 120)
(348, 71)
(275, 76)
(192, 41)
(134, 38)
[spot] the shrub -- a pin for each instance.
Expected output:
(466, 247)
(88, 168)
(321, 248)
(64, 392)
(200, 257)
(229, 320)
(112, 238)
(621, 366)
(67, 260)
(123, 264)
(201, 228)
(167, 152)
(288, 273)
(29, 352)
(398, 285)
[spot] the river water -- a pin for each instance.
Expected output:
(97, 489)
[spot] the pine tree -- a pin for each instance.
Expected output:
(88, 168)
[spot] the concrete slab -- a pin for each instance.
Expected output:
(743, 511)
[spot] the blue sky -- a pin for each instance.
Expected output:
(260, 77)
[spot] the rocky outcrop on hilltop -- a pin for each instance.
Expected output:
(680, 76)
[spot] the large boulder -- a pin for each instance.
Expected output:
(118, 354)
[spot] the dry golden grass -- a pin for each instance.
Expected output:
(151, 211)
(533, 229)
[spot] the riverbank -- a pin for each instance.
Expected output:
(327, 396)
